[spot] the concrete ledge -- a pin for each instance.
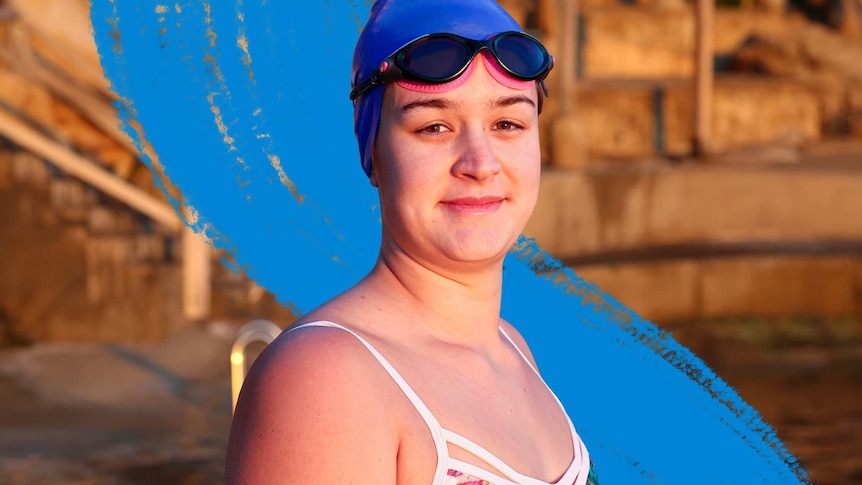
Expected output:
(755, 286)
(586, 212)
(660, 292)
(777, 286)
(767, 204)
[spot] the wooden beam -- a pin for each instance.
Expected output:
(86, 99)
(568, 34)
(97, 110)
(703, 75)
(547, 20)
(850, 23)
(196, 277)
(27, 137)
(68, 61)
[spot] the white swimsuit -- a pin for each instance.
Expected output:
(451, 471)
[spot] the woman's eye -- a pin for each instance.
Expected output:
(433, 129)
(506, 125)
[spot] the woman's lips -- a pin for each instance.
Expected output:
(473, 205)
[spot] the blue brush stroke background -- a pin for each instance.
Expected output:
(246, 106)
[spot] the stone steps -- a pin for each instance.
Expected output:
(637, 42)
(780, 80)
(631, 120)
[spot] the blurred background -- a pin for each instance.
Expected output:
(703, 165)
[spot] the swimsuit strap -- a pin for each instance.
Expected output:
(523, 355)
(580, 465)
(576, 472)
(430, 420)
(480, 452)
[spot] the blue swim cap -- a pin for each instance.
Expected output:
(394, 23)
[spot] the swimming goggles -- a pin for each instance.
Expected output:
(441, 58)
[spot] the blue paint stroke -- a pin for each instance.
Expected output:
(246, 107)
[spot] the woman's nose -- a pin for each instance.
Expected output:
(477, 159)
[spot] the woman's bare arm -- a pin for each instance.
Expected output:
(314, 410)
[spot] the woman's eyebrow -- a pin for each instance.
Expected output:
(446, 103)
(512, 100)
(437, 103)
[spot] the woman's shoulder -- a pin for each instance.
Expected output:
(330, 333)
(320, 352)
(313, 398)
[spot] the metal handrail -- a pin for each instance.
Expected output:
(253, 331)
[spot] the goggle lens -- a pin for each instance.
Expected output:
(440, 58)
(435, 59)
(521, 55)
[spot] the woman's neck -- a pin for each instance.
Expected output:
(460, 304)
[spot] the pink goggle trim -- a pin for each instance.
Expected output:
(491, 66)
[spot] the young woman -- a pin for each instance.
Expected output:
(412, 376)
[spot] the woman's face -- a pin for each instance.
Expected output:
(457, 171)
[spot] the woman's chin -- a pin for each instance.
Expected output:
(479, 250)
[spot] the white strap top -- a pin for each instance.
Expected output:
(576, 473)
